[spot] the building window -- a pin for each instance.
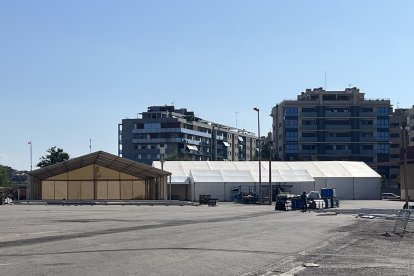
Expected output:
(291, 111)
(308, 147)
(291, 136)
(395, 146)
(291, 148)
(367, 147)
(139, 156)
(382, 111)
(135, 146)
(383, 136)
(395, 135)
(383, 148)
(291, 123)
(383, 123)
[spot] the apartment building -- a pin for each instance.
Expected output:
(333, 125)
(164, 132)
(398, 120)
(411, 127)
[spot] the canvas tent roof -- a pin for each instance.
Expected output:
(247, 171)
(103, 159)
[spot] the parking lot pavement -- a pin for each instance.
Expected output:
(229, 239)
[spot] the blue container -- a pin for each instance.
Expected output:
(295, 203)
(327, 192)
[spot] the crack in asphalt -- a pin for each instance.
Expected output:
(30, 241)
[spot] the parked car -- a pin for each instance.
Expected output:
(390, 196)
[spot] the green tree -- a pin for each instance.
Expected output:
(4, 177)
(54, 156)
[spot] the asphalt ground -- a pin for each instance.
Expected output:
(229, 239)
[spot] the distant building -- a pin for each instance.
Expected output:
(177, 134)
(397, 121)
(407, 168)
(411, 126)
(333, 125)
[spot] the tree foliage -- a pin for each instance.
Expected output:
(4, 177)
(54, 156)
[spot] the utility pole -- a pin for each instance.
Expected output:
(270, 172)
(260, 155)
(404, 146)
(31, 163)
(162, 155)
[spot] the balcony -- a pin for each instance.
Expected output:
(308, 139)
(367, 114)
(339, 152)
(367, 127)
(308, 152)
(337, 114)
(366, 152)
(308, 114)
(338, 139)
(367, 139)
(338, 127)
(308, 127)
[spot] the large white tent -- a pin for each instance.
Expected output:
(351, 180)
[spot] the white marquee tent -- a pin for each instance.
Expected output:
(351, 180)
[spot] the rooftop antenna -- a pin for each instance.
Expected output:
(236, 117)
(398, 104)
(90, 145)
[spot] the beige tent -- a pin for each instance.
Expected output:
(98, 176)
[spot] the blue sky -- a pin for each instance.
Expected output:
(72, 70)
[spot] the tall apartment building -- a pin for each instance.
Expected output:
(179, 134)
(333, 125)
(411, 126)
(397, 121)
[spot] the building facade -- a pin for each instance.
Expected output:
(333, 125)
(411, 127)
(167, 133)
(398, 120)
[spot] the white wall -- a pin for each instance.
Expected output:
(347, 188)
(367, 188)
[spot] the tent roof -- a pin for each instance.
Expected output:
(248, 171)
(103, 159)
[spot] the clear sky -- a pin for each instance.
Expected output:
(71, 70)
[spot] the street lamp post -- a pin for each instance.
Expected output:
(162, 160)
(31, 163)
(29, 185)
(260, 155)
(270, 172)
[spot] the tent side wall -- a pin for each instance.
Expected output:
(367, 188)
(344, 186)
(98, 183)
